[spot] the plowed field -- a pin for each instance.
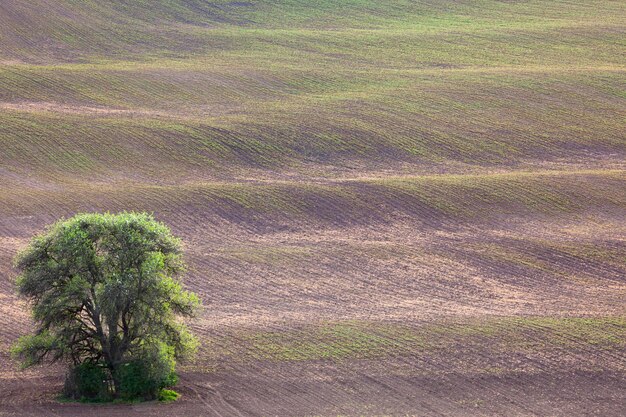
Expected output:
(388, 208)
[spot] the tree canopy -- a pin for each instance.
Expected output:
(105, 289)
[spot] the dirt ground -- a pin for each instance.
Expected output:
(387, 208)
(487, 294)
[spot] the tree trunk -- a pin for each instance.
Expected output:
(112, 365)
(116, 381)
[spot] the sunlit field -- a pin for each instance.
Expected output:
(388, 207)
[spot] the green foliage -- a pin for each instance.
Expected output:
(87, 382)
(167, 395)
(30, 348)
(104, 289)
(135, 381)
(146, 376)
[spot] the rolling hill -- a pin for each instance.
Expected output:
(389, 207)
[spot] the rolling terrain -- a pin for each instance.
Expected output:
(388, 207)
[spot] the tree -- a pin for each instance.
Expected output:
(104, 290)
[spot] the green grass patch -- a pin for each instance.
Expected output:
(168, 396)
(342, 341)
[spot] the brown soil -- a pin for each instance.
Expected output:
(289, 277)
(363, 246)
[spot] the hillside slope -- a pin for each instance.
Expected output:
(389, 207)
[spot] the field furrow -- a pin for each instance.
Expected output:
(388, 207)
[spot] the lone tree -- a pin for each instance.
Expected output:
(106, 298)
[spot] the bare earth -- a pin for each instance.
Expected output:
(416, 276)
(389, 208)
